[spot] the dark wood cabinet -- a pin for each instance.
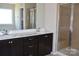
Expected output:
(38, 45)
(17, 47)
(31, 46)
(5, 49)
(45, 44)
(11, 47)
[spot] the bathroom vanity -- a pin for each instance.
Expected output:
(28, 45)
(28, 36)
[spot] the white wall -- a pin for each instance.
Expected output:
(40, 15)
(47, 18)
(51, 21)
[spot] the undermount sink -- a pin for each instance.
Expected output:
(16, 35)
(7, 36)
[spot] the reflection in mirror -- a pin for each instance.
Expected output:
(17, 16)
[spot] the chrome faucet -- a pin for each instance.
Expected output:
(38, 30)
(5, 32)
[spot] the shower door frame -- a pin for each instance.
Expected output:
(57, 26)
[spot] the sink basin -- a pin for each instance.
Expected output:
(6, 36)
(9, 36)
(17, 34)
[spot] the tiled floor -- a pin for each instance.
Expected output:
(53, 55)
(70, 52)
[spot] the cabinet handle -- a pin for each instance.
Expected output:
(30, 39)
(30, 46)
(45, 36)
(9, 42)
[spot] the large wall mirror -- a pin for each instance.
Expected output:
(18, 16)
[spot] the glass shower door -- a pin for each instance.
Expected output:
(75, 33)
(64, 26)
(68, 36)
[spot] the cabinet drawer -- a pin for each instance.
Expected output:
(46, 36)
(30, 50)
(30, 43)
(28, 46)
(29, 39)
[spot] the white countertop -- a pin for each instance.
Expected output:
(19, 35)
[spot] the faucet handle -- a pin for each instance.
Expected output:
(5, 32)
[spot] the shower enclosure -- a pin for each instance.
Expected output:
(68, 33)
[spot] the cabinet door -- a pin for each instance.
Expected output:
(30, 46)
(45, 44)
(17, 47)
(5, 49)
